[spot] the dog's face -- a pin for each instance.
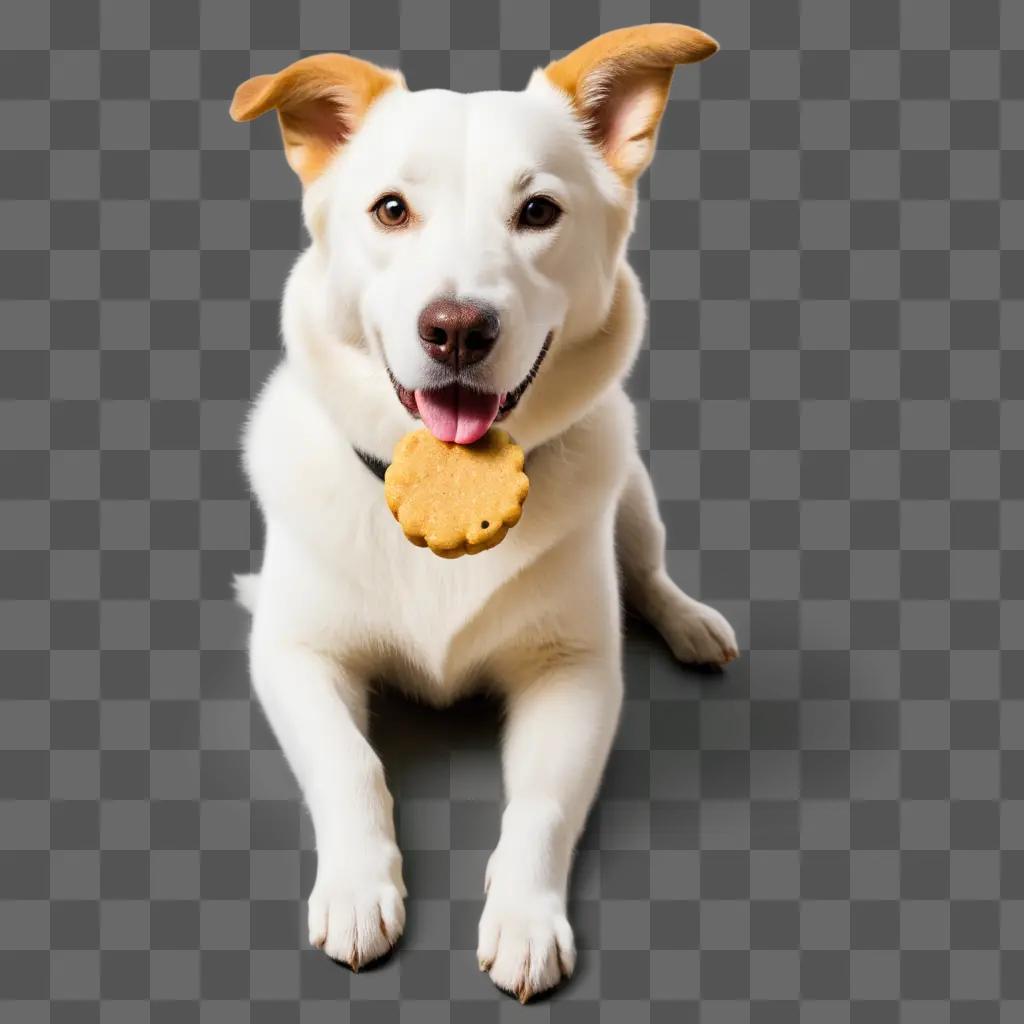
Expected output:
(465, 235)
(463, 229)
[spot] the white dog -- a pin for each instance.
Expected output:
(467, 265)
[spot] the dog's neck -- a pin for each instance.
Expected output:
(350, 384)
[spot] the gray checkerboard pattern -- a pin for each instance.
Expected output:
(832, 396)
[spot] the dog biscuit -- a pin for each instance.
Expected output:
(456, 499)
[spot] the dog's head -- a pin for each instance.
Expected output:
(465, 235)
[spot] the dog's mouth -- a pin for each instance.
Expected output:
(462, 414)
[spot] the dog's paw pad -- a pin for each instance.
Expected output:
(526, 945)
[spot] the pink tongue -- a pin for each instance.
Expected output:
(457, 414)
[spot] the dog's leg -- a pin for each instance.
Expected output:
(318, 714)
(557, 737)
(694, 631)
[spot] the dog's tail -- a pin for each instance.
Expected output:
(247, 589)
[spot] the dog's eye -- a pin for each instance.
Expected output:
(391, 211)
(538, 213)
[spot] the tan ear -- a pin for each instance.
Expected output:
(619, 85)
(320, 102)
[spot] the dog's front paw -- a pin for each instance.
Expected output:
(697, 633)
(356, 908)
(525, 942)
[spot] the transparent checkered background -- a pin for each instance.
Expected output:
(832, 238)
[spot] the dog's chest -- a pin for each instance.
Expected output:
(344, 577)
(438, 612)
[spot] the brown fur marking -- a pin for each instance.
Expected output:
(320, 101)
(646, 53)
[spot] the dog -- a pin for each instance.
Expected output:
(467, 266)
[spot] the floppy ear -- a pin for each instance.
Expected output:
(320, 102)
(619, 84)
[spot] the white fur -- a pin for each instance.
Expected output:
(343, 598)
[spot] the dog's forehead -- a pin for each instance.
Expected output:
(439, 123)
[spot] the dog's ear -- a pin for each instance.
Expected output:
(320, 102)
(619, 85)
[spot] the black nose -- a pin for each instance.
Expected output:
(458, 333)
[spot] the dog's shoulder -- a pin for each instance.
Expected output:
(593, 456)
(294, 457)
